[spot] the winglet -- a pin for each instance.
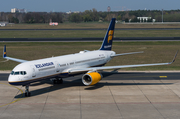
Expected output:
(4, 52)
(174, 57)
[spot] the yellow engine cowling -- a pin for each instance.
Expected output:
(92, 78)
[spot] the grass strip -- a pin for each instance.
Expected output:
(154, 52)
(87, 25)
(87, 33)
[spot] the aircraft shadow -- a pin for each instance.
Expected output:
(76, 81)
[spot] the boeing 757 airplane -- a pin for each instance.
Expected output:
(85, 62)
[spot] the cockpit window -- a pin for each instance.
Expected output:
(18, 73)
(12, 72)
(21, 72)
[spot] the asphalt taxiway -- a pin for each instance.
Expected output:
(127, 95)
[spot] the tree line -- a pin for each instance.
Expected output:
(90, 16)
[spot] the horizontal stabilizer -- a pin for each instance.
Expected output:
(10, 58)
(127, 53)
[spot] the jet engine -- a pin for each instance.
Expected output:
(92, 78)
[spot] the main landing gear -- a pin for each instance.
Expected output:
(58, 81)
(27, 93)
(55, 81)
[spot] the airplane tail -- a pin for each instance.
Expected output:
(4, 52)
(108, 39)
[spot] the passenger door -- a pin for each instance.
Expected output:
(33, 71)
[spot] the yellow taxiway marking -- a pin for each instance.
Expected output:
(16, 99)
(162, 76)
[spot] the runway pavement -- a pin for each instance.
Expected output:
(127, 95)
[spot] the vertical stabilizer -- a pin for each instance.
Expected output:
(4, 52)
(108, 39)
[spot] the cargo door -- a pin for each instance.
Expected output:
(57, 66)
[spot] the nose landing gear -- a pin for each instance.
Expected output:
(27, 93)
(55, 81)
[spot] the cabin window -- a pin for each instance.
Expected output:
(71, 63)
(48, 68)
(62, 65)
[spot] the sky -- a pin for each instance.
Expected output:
(82, 5)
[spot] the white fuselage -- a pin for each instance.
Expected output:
(36, 70)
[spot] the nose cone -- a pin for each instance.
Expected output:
(13, 79)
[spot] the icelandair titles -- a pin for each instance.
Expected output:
(44, 64)
(107, 46)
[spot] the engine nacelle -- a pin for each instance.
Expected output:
(92, 78)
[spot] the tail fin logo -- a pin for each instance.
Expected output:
(110, 35)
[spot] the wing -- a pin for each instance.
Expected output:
(10, 58)
(119, 67)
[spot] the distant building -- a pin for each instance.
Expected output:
(53, 23)
(72, 12)
(3, 23)
(143, 18)
(68, 12)
(76, 12)
(21, 10)
(109, 9)
(15, 10)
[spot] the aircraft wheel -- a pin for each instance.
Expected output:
(61, 81)
(27, 94)
(58, 81)
(54, 82)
